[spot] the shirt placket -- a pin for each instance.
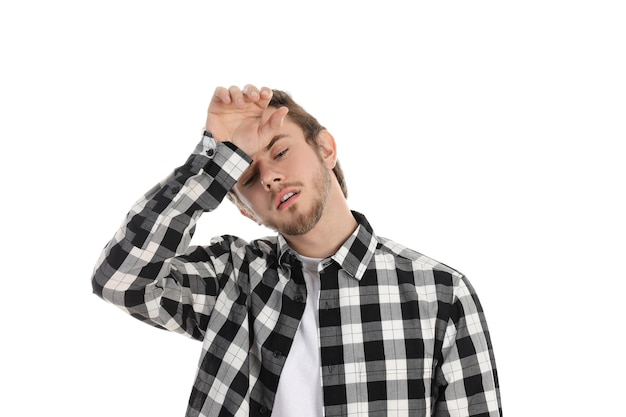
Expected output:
(275, 348)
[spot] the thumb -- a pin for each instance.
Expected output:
(277, 118)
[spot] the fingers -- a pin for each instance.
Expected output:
(240, 97)
(250, 92)
(237, 97)
(243, 116)
(264, 96)
(222, 95)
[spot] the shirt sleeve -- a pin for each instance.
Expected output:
(467, 377)
(148, 269)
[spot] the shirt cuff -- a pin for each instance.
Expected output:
(207, 145)
(222, 160)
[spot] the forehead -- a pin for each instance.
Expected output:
(288, 130)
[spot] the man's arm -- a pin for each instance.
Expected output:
(466, 376)
(141, 269)
(148, 269)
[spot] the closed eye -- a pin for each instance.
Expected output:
(281, 153)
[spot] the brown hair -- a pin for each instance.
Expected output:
(311, 129)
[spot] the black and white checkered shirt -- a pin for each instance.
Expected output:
(399, 333)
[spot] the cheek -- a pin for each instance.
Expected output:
(246, 197)
(302, 168)
(256, 199)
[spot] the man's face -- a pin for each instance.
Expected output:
(287, 185)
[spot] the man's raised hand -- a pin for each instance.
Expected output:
(243, 117)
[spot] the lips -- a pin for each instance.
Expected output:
(285, 198)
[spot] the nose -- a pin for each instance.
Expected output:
(270, 177)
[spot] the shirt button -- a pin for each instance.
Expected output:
(277, 354)
(210, 152)
(299, 299)
(263, 410)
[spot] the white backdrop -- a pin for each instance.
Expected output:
(486, 134)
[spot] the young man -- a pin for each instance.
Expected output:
(325, 318)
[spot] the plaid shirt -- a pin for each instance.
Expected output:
(399, 333)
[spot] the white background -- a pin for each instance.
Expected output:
(485, 134)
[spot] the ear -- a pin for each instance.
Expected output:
(327, 148)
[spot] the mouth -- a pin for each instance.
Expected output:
(285, 199)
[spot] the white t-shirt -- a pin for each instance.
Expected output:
(299, 390)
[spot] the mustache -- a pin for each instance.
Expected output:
(281, 187)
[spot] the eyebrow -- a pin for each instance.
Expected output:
(273, 141)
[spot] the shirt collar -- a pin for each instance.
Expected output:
(353, 256)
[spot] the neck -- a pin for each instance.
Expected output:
(333, 229)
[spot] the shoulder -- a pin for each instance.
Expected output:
(402, 252)
(408, 259)
(433, 281)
